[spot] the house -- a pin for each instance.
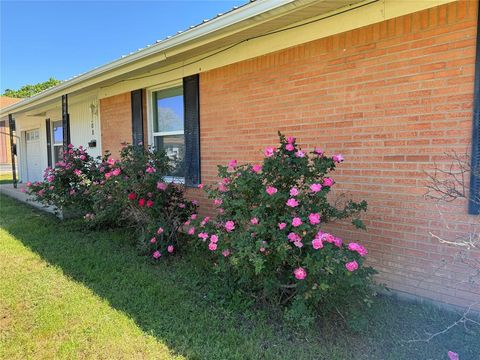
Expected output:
(392, 85)
(5, 153)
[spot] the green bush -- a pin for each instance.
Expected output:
(268, 236)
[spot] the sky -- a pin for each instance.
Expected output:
(43, 39)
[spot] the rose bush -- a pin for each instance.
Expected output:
(268, 232)
(68, 185)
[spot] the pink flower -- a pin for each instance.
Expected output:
(77, 172)
(315, 187)
(271, 190)
(232, 164)
(72, 192)
(317, 243)
(217, 202)
(314, 218)
(28, 184)
(82, 157)
(200, 186)
(300, 154)
(358, 248)
(170, 248)
(294, 237)
(186, 223)
(328, 182)
(108, 175)
(290, 139)
(226, 252)
(203, 236)
(318, 151)
(193, 216)
(297, 222)
(23, 190)
(351, 266)
(214, 239)
(338, 242)
(161, 186)
(338, 158)
(141, 202)
(282, 225)
(289, 147)
(262, 249)
(111, 161)
(191, 231)
(156, 254)
(254, 221)
(116, 171)
(229, 226)
(51, 187)
(160, 230)
(205, 220)
(293, 191)
(102, 169)
(222, 187)
(256, 168)
(453, 355)
(292, 202)
(269, 151)
(212, 246)
(132, 196)
(298, 244)
(50, 178)
(181, 206)
(300, 273)
(70, 146)
(149, 203)
(150, 169)
(153, 240)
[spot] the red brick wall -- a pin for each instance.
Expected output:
(392, 98)
(116, 122)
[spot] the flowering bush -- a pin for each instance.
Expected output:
(133, 193)
(268, 235)
(68, 185)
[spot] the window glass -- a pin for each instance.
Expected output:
(57, 132)
(168, 127)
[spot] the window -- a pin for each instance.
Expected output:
(168, 127)
(57, 141)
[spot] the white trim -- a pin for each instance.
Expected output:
(167, 133)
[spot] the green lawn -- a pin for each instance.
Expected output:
(68, 293)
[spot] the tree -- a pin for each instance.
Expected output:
(30, 90)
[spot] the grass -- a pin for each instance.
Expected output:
(67, 293)
(6, 178)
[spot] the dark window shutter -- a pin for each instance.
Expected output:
(137, 117)
(49, 142)
(65, 123)
(192, 129)
(474, 201)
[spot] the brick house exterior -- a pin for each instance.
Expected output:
(392, 96)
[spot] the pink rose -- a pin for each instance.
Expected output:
(217, 202)
(232, 164)
(297, 222)
(269, 151)
(292, 202)
(318, 151)
(150, 170)
(149, 203)
(298, 244)
(141, 202)
(161, 186)
(314, 218)
(212, 246)
(111, 161)
(294, 237)
(453, 355)
(358, 248)
(271, 190)
(170, 248)
(300, 273)
(229, 226)
(300, 154)
(77, 172)
(153, 240)
(338, 242)
(200, 186)
(282, 225)
(351, 266)
(289, 147)
(108, 175)
(317, 244)
(328, 182)
(28, 184)
(203, 236)
(214, 239)
(50, 178)
(82, 157)
(254, 221)
(226, 252)
(222, 187)
(338, 158)
(290, 139)
(293, 191)
(160, 230)
(315, 187)
(132, 196)
(156, 254)
(256, 168)
(191, 231)
(116, 172)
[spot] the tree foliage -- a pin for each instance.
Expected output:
(30, 90)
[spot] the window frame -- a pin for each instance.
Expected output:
(151, 118)
(54, 144)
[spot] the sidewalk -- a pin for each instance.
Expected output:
(9, 190)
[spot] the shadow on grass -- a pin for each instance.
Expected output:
(176, 301)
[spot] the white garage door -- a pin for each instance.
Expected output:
(34, 170)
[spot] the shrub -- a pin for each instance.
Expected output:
(67, 186)
(134, 193)
(268, 236)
